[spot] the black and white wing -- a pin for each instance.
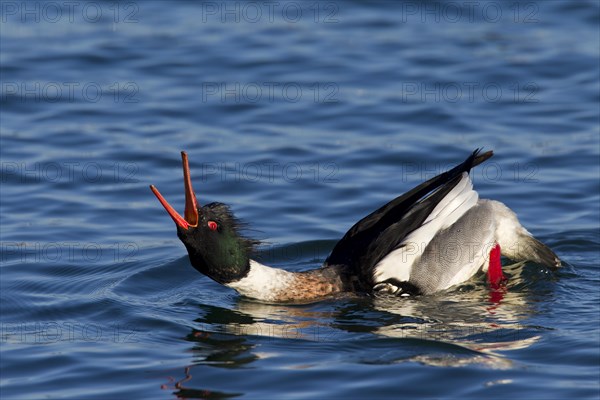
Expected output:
(416, 215)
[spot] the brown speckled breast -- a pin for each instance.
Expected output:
(313, 285)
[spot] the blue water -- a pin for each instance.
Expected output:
(303, 117)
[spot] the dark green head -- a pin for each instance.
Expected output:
(215, 246)
(211, 235)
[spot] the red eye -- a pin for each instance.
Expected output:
(212, 225)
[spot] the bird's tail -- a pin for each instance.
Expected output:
(529, 248)
(516, 242)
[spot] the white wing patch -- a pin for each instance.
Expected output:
(398, 264)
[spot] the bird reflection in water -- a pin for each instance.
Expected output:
(468, 325)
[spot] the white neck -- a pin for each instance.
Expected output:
(277, 285)
(263, 282)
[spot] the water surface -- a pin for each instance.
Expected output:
(303, 122)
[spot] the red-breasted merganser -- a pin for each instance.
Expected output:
(431, 238)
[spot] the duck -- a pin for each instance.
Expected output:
(434, 237)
